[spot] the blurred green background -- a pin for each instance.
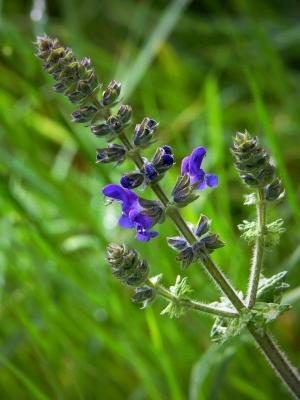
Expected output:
(204, 69)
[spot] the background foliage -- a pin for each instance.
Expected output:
(68, 329)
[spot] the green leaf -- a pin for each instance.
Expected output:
(264, 313)
(270, 290)
(224, 328)
(179, 290)
(272, 232)
(181, 287)
(250, 199)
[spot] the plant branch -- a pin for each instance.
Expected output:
(281, 365)
(191, 304)
(258, 255)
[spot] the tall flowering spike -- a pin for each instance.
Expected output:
(76, 78)
(112, 153)
(144, 132)
(252, 161)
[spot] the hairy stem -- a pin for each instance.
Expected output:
(276, 358)
(258, 255)
(191, 304)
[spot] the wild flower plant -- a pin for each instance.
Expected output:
(234, 311)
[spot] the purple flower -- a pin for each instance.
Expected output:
(192, 165)
(132, 213)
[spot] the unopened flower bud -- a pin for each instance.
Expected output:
(45, 45)
(183, 192)
(144, 294)
(186, 257)
(124, 113)
(202, 226)
(212, 242)
(84, 114)
(275, 190)
(139, 275)
(114, 152)
(115, 123)
(100, 130)
(163, 159)
(177, 242)
(151, 173)
(153, 209)
(111, 93)
(59, 87)
(132, 180)
(143, 133)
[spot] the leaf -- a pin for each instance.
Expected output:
(264, 313)
(181, 287)
(270, 290)
(224, 328)
(173, 310)
(272, 232)
(249, 230)
(179, 290)
(250, 199)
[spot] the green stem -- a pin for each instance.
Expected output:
(281, 365)
(258, 255)
(276, 358)
(192, 304)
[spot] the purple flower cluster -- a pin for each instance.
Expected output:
(191, 165)
(132, 213)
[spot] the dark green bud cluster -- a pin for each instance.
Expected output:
(207, 244)
(131, 270)
(76, 78)
(252, 161)
(126, 265)
(183, 192)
